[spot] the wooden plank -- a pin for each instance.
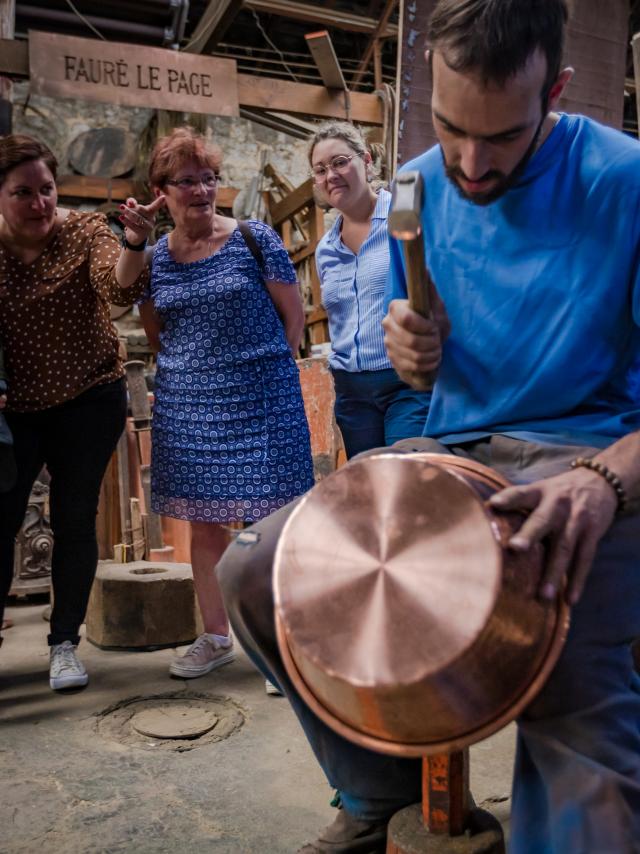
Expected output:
(265, 92)
(212, 25)
(415, 132)
(114, 73)
(318, 315)
(7, 18)
(325, 58)
(320, 15)
(83, 187)
(14, 57)
(138, 542)
(108, 518)
(7, 29)
(124, 493)
(299, 256)
(597, 38)
(289, 97)
(300, 198)
(375, 36)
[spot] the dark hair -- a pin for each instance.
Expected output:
(18, 148)
(182, 144)
(498, 37)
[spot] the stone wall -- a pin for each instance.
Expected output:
(58, 121)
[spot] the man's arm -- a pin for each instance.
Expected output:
(573, 511)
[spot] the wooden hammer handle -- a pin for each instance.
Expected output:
(418, 286)
(418, 278)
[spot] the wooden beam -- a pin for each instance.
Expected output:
(300, 198)
(212, 25)
(369, 51)
(14, 57)
(323, 16)
(267, 93)
(377, 64)
(7, 30)
(7, 18)
(84, 187)
(325, 58)
(306, 99)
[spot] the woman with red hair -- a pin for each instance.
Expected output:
(230, 436)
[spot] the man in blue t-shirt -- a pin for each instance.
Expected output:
(532, 235)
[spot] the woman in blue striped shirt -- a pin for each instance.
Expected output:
(373, 406)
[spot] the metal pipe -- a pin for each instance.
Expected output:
(174, 34)
(122, 28)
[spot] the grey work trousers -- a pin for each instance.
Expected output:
(576, 787)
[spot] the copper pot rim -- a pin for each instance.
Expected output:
(429, 748)
(417, 749)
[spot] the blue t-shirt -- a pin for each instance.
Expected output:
(352, 289)
(542, 291)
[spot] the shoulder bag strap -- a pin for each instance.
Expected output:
(252, 244)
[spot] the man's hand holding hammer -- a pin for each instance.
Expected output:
(415, 328)
(414, 343)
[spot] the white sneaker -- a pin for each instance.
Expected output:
(65, 670)
(203, 656)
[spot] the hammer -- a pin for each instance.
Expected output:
(404, 224)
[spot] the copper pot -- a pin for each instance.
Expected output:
(403, 619)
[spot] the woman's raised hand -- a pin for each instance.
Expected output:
(139, 220)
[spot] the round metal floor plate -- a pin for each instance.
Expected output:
(180, 721)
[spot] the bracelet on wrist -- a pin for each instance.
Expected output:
(133, 247)
(612, 479)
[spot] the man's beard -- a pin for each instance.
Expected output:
(503, 182)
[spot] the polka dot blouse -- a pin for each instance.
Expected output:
(55, 323)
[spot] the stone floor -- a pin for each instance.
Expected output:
(68, 786)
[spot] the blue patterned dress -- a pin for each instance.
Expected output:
(230, 436)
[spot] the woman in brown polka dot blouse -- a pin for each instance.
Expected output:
(66, 400)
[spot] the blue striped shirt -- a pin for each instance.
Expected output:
(353, 288)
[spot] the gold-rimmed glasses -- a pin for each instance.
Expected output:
(339, 163)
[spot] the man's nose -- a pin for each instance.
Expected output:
(474, 160)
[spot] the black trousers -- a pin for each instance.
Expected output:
(75, 441)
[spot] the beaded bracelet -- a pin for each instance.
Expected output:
(612, 479)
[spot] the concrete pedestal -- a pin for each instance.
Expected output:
(142, 605)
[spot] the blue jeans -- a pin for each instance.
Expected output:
(576, 783)
(375, 408)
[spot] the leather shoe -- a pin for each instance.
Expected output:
(349, 835)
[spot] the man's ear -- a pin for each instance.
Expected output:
(556, 91)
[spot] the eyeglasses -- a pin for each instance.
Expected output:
(339, 163)
(208, 181)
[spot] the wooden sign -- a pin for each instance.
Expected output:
(131, 75)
